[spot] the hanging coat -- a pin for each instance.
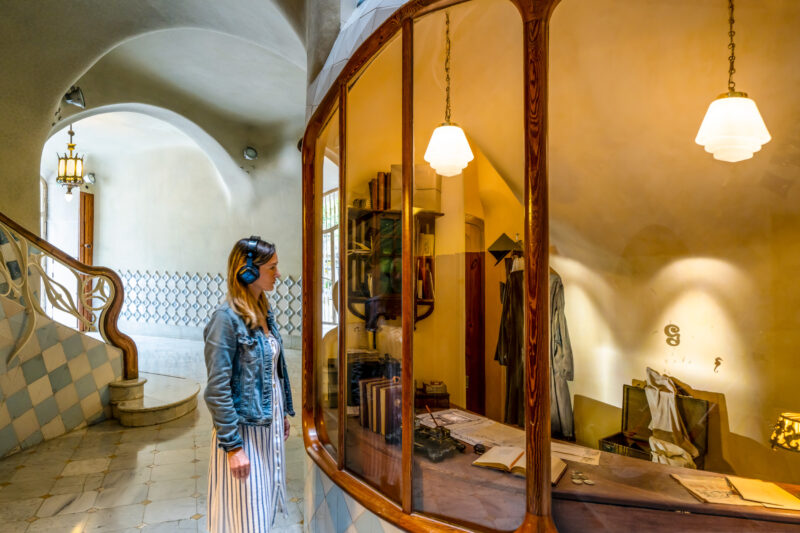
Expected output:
(561, 365)
(510, 350)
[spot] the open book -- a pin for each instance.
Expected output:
(512, 459)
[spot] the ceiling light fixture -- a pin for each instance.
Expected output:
(70, 168)
(732, 129)
(75, 97)
(448, 150)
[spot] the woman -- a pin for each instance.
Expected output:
(249, 397)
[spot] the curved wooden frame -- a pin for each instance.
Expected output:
(109, 317)
(535, 17)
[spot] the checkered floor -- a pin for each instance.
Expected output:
(109, 478)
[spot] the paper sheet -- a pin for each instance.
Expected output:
(769, 494)
(579, 454)
(712, 489)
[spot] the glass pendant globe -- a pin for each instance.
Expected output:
(448, 150)
(68, 195)
(732, 129)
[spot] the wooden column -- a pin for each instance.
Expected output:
(409, 280)
(536, 16)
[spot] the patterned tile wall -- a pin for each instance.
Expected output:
(189, 299)
(329, 509)
(58, 382)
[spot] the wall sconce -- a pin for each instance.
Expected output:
(250, 153)
(786, 433)
(75, 97)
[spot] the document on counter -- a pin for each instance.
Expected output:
(712, 489)
(768, 494)
(573, 452)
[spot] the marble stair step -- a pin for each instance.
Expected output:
(165, 398)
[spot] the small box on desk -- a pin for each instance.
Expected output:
(432, 400)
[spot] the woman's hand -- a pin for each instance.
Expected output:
(286, 427)
(238, 463)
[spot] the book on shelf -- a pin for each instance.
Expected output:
(512, 459)
(387, 190)
(363, 386)
(381, 184)
(391, 408)
(373, 194)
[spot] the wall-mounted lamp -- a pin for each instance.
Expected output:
(448, 150)
(786, 433)
(732, 129)
(70, 168)
(75, 97)
(250, 153)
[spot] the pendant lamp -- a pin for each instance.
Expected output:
(70, 168)
(732, 129)
(448, 150)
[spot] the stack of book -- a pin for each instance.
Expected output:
(381, 404)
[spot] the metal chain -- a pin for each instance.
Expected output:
(447, 65)
(732, 47)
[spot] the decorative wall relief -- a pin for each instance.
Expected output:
(673, 334)
(189, 299)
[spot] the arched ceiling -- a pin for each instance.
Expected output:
(240, 79)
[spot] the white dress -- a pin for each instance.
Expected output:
(250, 505)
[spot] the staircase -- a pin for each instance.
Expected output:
(166, 398)
(54, 378)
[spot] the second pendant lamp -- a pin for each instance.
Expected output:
(448, 150)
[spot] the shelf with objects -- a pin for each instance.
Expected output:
(509, 352)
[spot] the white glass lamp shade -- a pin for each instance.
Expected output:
(732, 129)
(68, 195)
(448, 150)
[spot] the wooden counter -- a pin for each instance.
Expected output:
(627, 493)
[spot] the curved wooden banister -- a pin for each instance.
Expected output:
(108, 313)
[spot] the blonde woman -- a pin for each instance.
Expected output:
(249, 397)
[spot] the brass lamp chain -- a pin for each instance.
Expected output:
(447, 66)
(732, 46)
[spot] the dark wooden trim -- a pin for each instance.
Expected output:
(409, 279)
(85, 248)
(109, 318)
(343, 283)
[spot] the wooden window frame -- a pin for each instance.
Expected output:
(535, 18)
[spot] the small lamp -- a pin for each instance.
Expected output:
(732, 129)
(786, 433)
(448, 150)
(70, 168)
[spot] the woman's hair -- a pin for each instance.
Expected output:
(240, 298)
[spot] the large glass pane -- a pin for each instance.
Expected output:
(678, 270)
(469, 341)
(327, 356)
(373, 278)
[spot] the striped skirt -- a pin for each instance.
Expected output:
(249, 505)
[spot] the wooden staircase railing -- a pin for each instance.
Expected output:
(96, 303)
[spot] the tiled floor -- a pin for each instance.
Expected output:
(110, 478)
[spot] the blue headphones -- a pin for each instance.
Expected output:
(248, 272)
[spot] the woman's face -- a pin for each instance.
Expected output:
(267, 274)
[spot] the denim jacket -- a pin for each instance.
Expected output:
(240, 369)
